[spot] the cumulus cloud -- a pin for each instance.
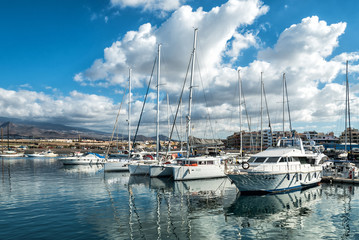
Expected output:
(137, 49)
(149, 5)
(240, 43)
(77, 109)
(303, 51)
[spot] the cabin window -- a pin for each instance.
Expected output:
(251, 159)
(260, 159)
(303, 160)
(210, 162)
(283, 159)
(295, 159)
(272, 160)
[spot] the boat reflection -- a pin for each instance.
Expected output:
(253, 206)
(90, 169)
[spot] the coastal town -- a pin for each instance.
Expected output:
(252, 142)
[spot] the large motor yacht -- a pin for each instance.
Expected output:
(285, 167)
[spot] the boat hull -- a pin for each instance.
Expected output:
(139, 169)
(121, 166)
(80, 162)
(161, 171)
(197, 172)
(275, 182)
(12, 155)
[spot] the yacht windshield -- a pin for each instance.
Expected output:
(260, 159)
(272, 160)
(292, 142)
(251, 159)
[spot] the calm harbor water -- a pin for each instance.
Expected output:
(41, 199)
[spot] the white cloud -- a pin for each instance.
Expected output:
(137, 49)
(76, 109)
(304, 51)
(241, 42)
(149, 5)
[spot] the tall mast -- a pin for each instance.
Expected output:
(2, 140)
(8, 136)
(261, 111)
(283, 104)
(346, 108)
(240, 112)
(350, 129)
(190, 92)
(158, 103)
(289, 118)
(168, 122)
(269, 122)
(129, 112)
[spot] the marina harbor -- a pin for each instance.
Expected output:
(50, 200)
(179, 120)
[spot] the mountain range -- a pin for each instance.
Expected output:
(18, 128)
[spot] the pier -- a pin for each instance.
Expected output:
(340, 180)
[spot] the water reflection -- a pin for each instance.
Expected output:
(50, 201)
(90, 169)
(267, 205)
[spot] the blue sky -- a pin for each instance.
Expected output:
(66, 61)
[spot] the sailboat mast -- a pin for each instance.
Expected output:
(269, 122)
(190, 92)
(168, 122)
(158, 104)
(2, 140)
(289, 118)
(129, 113)
(348, 113)
(8, 136)
(240, 112)
(261, 111)
(283, 104)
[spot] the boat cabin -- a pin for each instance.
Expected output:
(274, 160)
(290, 143)
(199, 161)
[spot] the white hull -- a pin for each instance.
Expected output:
(197, 172)
(83, 160)
(117, 166)
(276, 182)
(41, 155)
(161, 171)
(139, 169)
(12, 155)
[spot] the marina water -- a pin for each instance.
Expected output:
(42, 199)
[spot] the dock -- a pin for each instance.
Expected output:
(340, 180)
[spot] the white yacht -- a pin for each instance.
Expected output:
(121, 164)
(285, 167)
(89, 158)
(164, 169)
(340, 169)
(198, 168)
(141, 167)
(10, 154)
(47, 154)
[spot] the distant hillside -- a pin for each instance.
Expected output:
(29, 129)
